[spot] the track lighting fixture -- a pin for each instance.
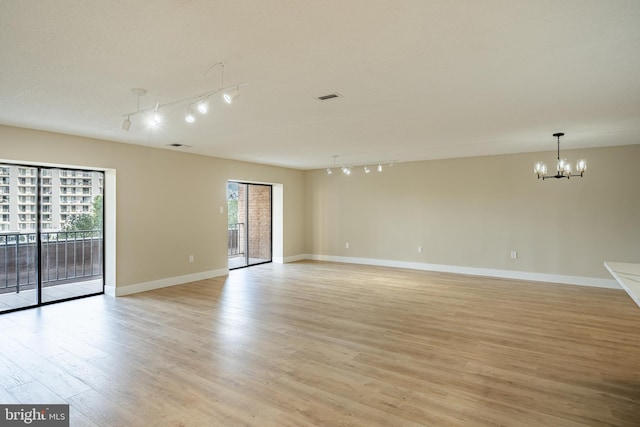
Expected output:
(199, 102)
(203, 106)
(231, 95)
(329, 170)
(189, 116)
(155, 118)
(126, 124)
(348, 168)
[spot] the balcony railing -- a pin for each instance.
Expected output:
(67, 256)
(236, 239)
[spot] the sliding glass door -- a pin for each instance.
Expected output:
(51, 235)
(18, 238)
(249, 224)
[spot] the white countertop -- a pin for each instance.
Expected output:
(628, 275)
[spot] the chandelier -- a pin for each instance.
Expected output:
(563, 166)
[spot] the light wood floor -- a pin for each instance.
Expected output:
(311, 343)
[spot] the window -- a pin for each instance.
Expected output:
(69, 261)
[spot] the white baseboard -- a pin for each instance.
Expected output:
(163, 283)
(295, 258)
(474, 271)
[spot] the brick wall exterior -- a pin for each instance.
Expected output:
(259, 221)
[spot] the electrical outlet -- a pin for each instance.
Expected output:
(346, 245)
(190, 258)
(514, 254)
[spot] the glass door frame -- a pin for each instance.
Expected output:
(39, 231)
(246, 232)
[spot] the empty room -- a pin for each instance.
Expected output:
(320, 213)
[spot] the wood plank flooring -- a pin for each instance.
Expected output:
(326, 344)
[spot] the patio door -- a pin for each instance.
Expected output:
(51, 235)
(249, 224)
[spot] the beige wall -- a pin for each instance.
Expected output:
(167, 201)
(467, 212)
(473, 211)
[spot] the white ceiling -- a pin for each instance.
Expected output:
(419, 79)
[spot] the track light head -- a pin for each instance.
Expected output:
(203, 106)
(379, 168)
(189, 117)
(126, 124)
(329, 171)
(366, 169)
(230, 95)
(155, 119)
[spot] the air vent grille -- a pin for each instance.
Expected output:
(329, 96)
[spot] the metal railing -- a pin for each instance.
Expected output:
(66, 256)
(236, 239)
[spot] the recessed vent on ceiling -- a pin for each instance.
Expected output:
(329, 96)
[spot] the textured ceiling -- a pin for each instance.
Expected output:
(419, 79)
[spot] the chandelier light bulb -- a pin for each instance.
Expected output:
(581, 166)
(562, 165)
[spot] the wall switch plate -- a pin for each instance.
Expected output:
(190, 258)
(346, 245)
(221, 209)
(419, 249)
(514, 254)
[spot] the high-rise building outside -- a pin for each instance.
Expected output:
(64, 194)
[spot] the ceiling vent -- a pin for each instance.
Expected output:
(329, 96)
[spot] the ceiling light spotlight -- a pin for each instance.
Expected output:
(379, 168)
(203, 106)
(231, 95)
(189, 117)
(126, 124)
(366, 169)
(155, 118)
